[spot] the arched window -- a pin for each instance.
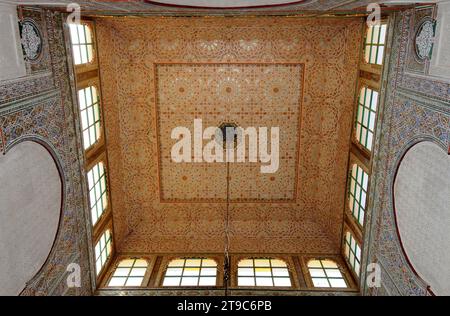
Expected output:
(366, 116)
(97, 191)
(374, 45)
(263, 272)
(129, 272)
(352, 252)
(326, 273)
(358, 193)
(82, 43)
(90, 115)
(103, 250)
(191, 272)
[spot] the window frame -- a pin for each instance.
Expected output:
(353, 161)
(185, 258)
(145, 277)
(106, 209)
(94, 147)
(358, 244)
(109, 257)
(339, 267)
(88, 75)
(377, 45)
(364, 84)
(289, 266)
(83, 67)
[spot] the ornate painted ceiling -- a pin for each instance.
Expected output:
(248, 94)
(159, 73)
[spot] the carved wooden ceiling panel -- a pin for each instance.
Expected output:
(298, 209)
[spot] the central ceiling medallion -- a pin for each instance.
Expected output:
(228, 135)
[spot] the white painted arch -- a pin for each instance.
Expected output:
(30, 208)
(422, 209)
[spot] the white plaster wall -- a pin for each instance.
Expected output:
(440, 61)
(422, 203)
(30, 203)
(11, 58)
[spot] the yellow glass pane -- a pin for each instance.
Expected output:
(176, 263)
(278, 263)
(194, 271)
(209, 263)
(314, 264)
(193, 262)
(262, 270)
(329, 264)
(126, 263)
(262, 263)
(140, 263)
(246, 263)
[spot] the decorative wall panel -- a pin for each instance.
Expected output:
(415, 109)
(311, 188)
(34, 40)
(41, 109)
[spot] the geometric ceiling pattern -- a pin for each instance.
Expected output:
(250, 95)
(151, 71)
